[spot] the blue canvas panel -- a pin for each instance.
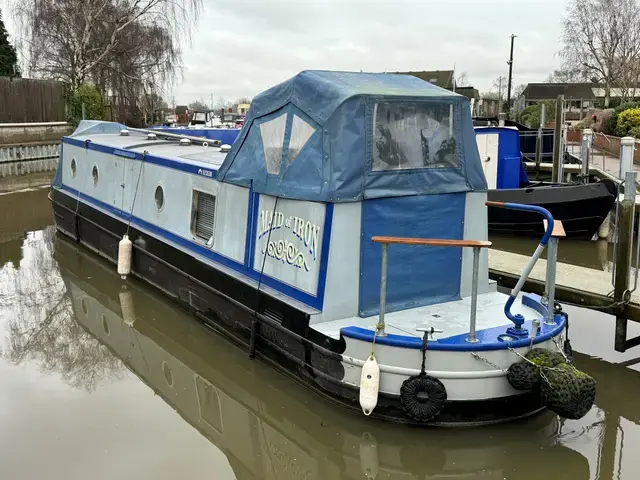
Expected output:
(416, 275)
(342, 107)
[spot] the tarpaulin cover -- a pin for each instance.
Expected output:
(93, 127)
(416, 275)
(344, 136)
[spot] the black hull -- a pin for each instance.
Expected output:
(283, 336)
(581, 208)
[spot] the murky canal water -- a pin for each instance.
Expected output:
(102, 380)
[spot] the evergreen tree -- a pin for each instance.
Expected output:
(8, 57)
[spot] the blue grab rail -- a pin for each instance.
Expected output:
(518, 319)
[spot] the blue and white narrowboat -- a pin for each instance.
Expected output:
(342, 239)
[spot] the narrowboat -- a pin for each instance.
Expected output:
(342, 239)
(266, 429)
(581, 207)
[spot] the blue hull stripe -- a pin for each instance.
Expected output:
(160, 233)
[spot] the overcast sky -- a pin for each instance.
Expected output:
(241, 47)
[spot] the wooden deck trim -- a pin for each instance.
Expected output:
(432, 242)
(558, 228)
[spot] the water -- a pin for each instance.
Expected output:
(105, 379)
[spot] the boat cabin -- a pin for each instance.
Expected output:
(501, 158)
(325, 161)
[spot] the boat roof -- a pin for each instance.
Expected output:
(107, 134)
(348, 136)
(335, 137)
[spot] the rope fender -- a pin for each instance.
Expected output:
(423, 397)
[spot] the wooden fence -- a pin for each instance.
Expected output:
(28, 100)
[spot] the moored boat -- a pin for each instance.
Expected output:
(269, 430)
(581, 207)
(345, 229)
(207, 125)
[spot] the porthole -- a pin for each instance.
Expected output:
(168, 376)
(95, 175)
(105, 325)
(73, 167)
(159, 197)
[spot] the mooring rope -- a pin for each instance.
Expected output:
(135, 193)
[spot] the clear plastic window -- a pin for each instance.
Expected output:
(301, 131)
(272, 133)
(413, 135)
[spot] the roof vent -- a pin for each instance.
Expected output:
(124, 132)
(225, 148)
(185, 141)
(151, 136)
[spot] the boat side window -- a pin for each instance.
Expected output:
(95, 175)
(272, 133)
(301, 131)
(413, 135)
(203, 214)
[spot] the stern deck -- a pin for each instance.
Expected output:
(451, 317)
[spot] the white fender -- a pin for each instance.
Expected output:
(126, 304)
(124, 256)
(369, 384)
(369, 461)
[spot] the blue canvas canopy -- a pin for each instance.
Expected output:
(344, 136)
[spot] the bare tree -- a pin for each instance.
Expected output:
(567, 75)
(128, 48)
(519, 90)
(70, 39)
(198, 105)
(41, 324)
(462, 80)
(601, 38)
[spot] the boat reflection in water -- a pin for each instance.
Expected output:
(268, 426)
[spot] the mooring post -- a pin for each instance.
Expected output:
(624, 235)
(557, 141)
(627, 146)
(539, 143)
(552, 261)
(585, 149)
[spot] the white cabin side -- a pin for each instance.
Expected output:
(315, 252)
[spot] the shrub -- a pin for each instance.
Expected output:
(609, 127)
(603, 120)
(586, 122)
(90, 96)
(628, 122)
(530, 116)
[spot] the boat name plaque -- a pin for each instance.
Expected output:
(306, 237)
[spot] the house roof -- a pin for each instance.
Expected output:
(468, 92)
(550, 91)
(441, 78)
(182, 109)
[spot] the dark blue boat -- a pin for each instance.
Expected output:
(582, 208)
